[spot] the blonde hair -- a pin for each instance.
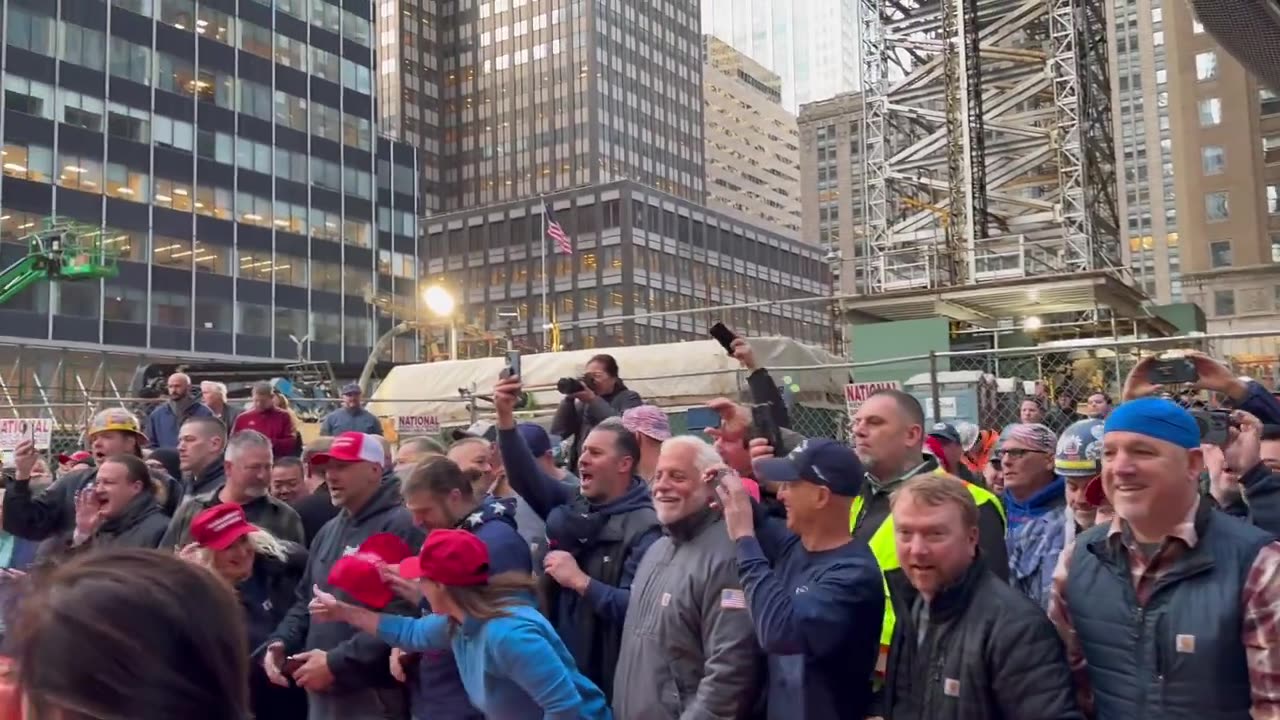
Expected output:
(494, 599)
(263, 542)
(936, 490)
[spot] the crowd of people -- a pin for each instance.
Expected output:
(1114, 566)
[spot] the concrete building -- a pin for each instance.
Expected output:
(811, 44)
(228, 152)
(831, 183)
(752, 145)
(637, 252)
(514, 99)
(1226, 169)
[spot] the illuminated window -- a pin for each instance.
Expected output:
(79, 172)
(128, 183)
(1206, 66)
(29, 162)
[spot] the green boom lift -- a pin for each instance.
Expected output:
(60, 250)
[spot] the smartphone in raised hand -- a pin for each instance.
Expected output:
(724, 336)
(512, 368)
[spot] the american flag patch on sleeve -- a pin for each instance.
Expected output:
(732, 599)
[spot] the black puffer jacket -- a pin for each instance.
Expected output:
(988, 653)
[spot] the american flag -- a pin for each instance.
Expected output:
(733, 599)
(564, 245)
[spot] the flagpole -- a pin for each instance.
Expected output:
(542, 243)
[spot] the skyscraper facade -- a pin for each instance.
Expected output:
(227, 150)
(811, 44)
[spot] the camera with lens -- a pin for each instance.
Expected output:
(569, 385)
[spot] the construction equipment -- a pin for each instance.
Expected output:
(61, 249)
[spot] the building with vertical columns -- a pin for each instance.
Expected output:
(228, 151)
(752, 145)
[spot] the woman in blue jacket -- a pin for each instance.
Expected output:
(512, 663)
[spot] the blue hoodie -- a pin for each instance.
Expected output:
(1037, 534)
(513, 667)
(436, 691)
(1046, 500)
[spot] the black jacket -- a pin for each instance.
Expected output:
(266, 597)
(576, 419)
(51, 513)
(315, 509)
(358, 660)
(141, 525)
(274, 516)
(988, 653)
(214, 476)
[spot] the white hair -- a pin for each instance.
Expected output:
(246, 439)
(214, 386)
(705, 456)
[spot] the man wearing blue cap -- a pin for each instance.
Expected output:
(351, 417)
(1169, 611)
(816, 597)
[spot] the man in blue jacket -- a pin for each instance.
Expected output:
(439, 495)
(345, 672)
(166, 420)
(816, 596)
(598, 533)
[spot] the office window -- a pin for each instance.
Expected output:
(142, 7)
(28, 96)
(326, 15)
(360, 232)
(1273, 199)
(130, 61)
(253, 319)
(121, 303)
(1220, 254)
(290, 217)
(355, 28)
(212, 258)
(255, 156)
(168, 132)
(358, 183)
(178, 13)
(255, 100)
(1206, 66)
(1213, 159)
(171, 309)
(1210, 112)
(79, 110)
(355, 76)
(254, 39)
(296, 8)
(214, 201)
(215, 24)
(1157, 38)
(174, 74)
(82, 46)
(1271, 149)
(1224, 303)
(29, 31)
(253, 209)
(29, 162)
(1216, 206)
(129, 123)
(325, 65)
(215, 87)
(326, 225)
(326, 174)
(1275, 247)
(291, 53)
(357, 131)
(173, 194)
(1269, 101)
(79, 172)
(128, 183)
(326, 122)
(291, 111)
(1196, 27)
(214, 145)
(253, 265)
(291, 166)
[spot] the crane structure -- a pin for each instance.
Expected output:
(60, 250)
(987, 149)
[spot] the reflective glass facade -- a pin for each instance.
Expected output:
(228, 150)
(529, 97)
(637, 252)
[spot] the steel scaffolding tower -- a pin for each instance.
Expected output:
(987, 146)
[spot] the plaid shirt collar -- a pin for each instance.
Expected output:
(1184, 530)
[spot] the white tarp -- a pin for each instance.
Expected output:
(670, 375)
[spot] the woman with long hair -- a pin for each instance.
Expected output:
(512, 663)
(263, 571)
(127, 634)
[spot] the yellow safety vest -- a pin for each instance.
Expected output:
(886, 551)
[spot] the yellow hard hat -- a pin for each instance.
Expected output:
(115, 419)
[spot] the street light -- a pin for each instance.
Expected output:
(442, 304)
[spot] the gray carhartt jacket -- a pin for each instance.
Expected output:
(688, 647)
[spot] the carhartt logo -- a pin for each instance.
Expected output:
(1185, 643)
(951, 687)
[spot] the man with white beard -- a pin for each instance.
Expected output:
(247, 463)
(688, 646)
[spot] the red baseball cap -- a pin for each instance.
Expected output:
(450, 557)
(220, 526)
(358, 575)
(353, 447)
(76, 457)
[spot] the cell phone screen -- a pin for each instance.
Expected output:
(724, 336)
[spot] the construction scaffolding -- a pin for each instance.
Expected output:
(987, 147)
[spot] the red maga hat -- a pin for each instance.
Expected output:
(220, 526)
(358, 575)
(450, 557)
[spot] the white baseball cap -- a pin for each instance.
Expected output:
(353, 447)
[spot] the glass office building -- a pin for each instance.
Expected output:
(228, 150)
(637, 253)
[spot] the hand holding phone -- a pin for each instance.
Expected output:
(763, 426)
(291, 665)
(1172, 371)
(724, 336)
(513, 365)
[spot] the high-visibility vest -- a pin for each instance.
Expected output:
(886, 551)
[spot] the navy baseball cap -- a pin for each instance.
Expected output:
(351, 389)
(945, 431)
(535, 437)
(819, 461)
